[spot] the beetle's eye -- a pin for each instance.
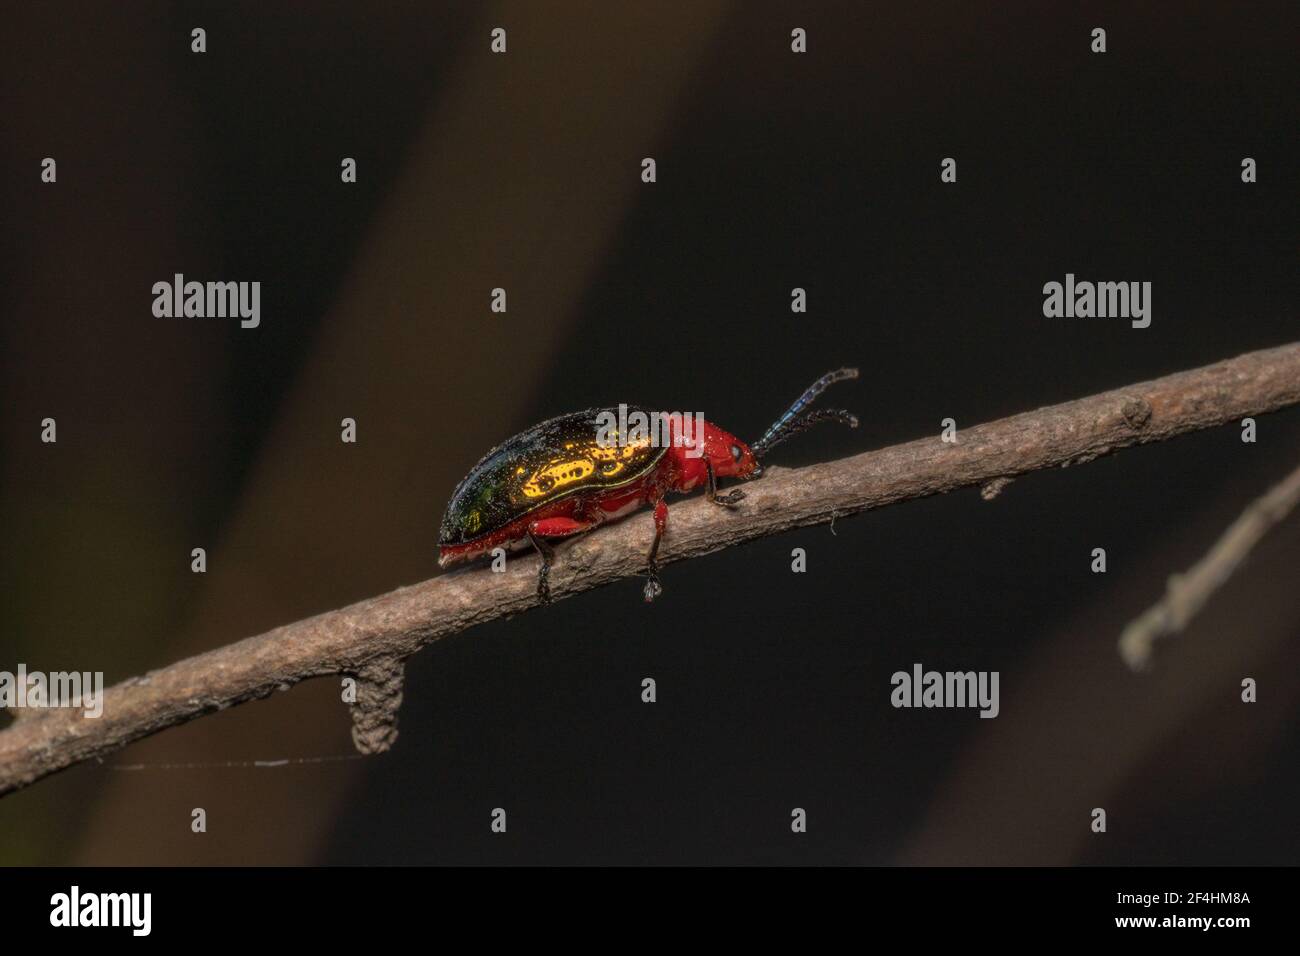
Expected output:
(735, 453)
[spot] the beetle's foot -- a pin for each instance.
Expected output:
(544, 586)
(730, 499)
(652, 586)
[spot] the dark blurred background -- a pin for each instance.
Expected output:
(775, 170)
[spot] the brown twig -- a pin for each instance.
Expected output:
(366, 639)
(1187, 593)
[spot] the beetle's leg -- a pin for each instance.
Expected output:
(652, 586)
(544, 575)
(538, 532)
(730, 499)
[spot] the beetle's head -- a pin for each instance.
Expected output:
(729, 456)
(797, 417)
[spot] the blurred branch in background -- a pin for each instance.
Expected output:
(384, 630)
(1162, 752)
(1188, 592)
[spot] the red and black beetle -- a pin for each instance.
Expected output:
(563, 477)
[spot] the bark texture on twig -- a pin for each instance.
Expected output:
(1187, 593)
(395, 625)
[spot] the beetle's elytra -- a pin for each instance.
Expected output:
(564, 477)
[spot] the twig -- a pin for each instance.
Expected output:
(1187, 593)
(389, 628)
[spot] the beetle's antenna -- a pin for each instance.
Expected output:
(796, 419)
(808, 419)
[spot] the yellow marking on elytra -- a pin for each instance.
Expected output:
(558, 472)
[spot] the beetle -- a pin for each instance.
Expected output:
(564, 477)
